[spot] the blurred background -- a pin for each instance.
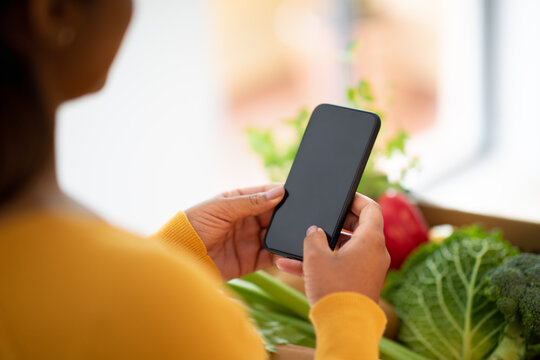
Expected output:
(461, 77)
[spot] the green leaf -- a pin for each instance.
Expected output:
(364, 91)
(351, 95)
(262, 142)
(396, 144)
(361, 95)
(299, 122)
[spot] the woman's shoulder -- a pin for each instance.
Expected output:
(68, 255)
(56, 228)
(77, 242)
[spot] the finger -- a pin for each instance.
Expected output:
(315, 242)
(351, 222)
(260, 188)
(370, 227)
(241, 206)
(264, 259)
(370, 217)
(290, 266)
(262, 234)
(359, 203)
(251, 190)
(264, 218)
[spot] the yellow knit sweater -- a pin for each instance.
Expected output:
(75, 288)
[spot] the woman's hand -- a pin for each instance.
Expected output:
(232, 227)
(359, 263)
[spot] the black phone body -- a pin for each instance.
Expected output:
(323, 179)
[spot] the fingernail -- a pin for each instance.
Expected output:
(275, 193)
(311, 230)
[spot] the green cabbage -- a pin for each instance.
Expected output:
(439, 297)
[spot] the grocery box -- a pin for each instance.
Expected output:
(523, 234)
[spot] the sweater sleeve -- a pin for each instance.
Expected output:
(348, 326)
(178, 233)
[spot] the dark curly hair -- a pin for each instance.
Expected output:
(26, 134)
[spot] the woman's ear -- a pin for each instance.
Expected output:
(54, 24)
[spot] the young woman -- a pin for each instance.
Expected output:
(74, 287)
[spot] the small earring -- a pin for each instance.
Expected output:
(66, 36)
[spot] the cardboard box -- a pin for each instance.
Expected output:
(523, 234)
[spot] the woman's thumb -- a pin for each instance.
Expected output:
(254, 204)
(315, 242)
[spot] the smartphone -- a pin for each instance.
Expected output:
(323, 178)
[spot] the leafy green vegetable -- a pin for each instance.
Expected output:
(253, 294)
(279, 329)
(279, 311)
(439, 297)
(278, 156)
(282, 318)
(274, 307)
(283, 294)
(515, 289)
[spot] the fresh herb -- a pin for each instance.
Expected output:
(278, 156)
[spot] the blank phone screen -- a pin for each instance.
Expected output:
(323, 178)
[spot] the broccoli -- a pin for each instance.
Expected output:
(515, 289)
